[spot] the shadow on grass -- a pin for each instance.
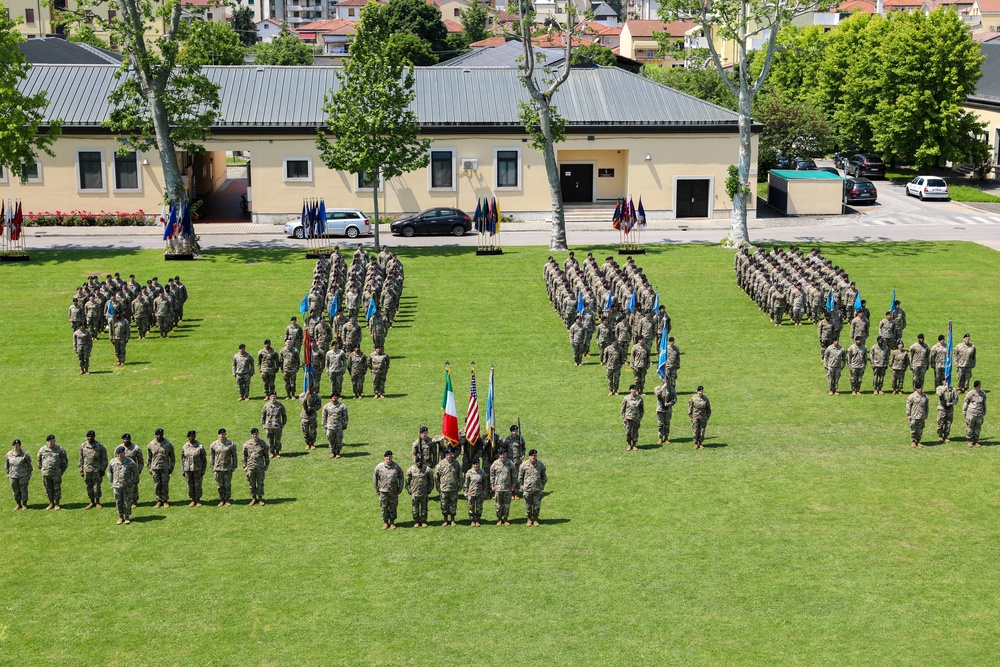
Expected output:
(650, 446)
(351, 455)
(77, 506)
(99, 373)
(137, 363)
(278, 501)
(553, 522)
(714, 445)
(292, 455)
(73, 252)
(148, 517)
(396, 395)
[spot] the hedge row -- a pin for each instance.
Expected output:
(88, 219)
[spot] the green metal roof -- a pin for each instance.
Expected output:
(808, 175)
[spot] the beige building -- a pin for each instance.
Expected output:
(626, 136)
(638, 41)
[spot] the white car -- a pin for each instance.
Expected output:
(349, 222)
(927, 187)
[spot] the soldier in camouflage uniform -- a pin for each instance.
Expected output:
(475, 493)
(859, 329)
(388, 481)
(289, 367)
(419, 482)
(899, 360)
(225, 459)
(267, 363)
(699, 410)
(83, 343)
(613, 358)
(377, 328)
(378, 362)
(255, 464)
(134, 452)
(503, 481)
(515, 446)
(425, 448)
(193, 463)
(879, 357)
(273, 418)
(916, 413)
(52, 463)
(532, 478)
(243, 371)
(939, 355)
(673, 363)
(311, 405)
(294, 333)
(335, 419)
(336, 366)
(17, 467)
(350, 334)
(448, 480)
(120, 334)
(965, 361)
(357, 365)
(632, 411)
(857, 360)
(164, 314)
(577, 340)
(825, 330)
(947, 398)
(160, 455)
(586, 321)
(666, 398)
(122, 473)
(974, 410)
(640, 363)
(834, 360)
(93, 465)
(920, 359)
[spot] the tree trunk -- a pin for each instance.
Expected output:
(557, 240)
(174, 190)
(375, 202)
(738, 231)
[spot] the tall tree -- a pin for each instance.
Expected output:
(417, 17)
(540, 116)
(792, 127)
(285, 49)
(159, 101)
(701, 81)
(474, 19)
(21, 137)
(212, 43)
(594, 54)
(741, 21)
(244, 26)
(370, 129)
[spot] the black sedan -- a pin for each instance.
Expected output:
(434, 221)
(859, 191)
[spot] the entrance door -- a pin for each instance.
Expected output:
(577, 182)
(692, 198)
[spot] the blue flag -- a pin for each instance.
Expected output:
(168, 229)
(892, 306)
(829, 302)
(580, 305)
(609, 302)
(334, 306)
(187, 227)
(656, 302)
(110, 311)
(372, 309)
(476, 216)
(304, 306)
(947, 361)
(631, 303)
(857, 302)
(661, 364)
(305, 220)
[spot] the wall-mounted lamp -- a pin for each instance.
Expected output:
(648, 157)
(145, 162)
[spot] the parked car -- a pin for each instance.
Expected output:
(859, 191)
(830, 170)
(783, 162)
(434, 221)
(865, 164)
(349, 222)
(927, 187)
(803, 164)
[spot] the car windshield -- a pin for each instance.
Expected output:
(936, 183)
(873, 159)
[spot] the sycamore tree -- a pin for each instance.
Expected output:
(21, 135)
(160, 102)
(741, 22)
(212, 43)
(371, 132)
(545, 126)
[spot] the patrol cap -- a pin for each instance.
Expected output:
(190, 433)
(90, 433)
(254, 430)
(51, 437)
(158, 431)
(533, 452)
(423, 429)
(388, 452)
(221, 431)
(120, 449)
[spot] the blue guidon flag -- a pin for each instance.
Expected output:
(372, 309)
(661, 364)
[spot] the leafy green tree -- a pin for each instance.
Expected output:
(798, 61)
(458, 43)
(407, 47)
(370, 128)
(285, 49)
(474, 18)
(212, 43)
(21, 136)
(792, 127)
(244, 26)
(740, 21)
(160, 101)
(85, 34)
(419, 18)
(594, 54)
(703, 82)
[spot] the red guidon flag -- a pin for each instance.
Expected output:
(449, 421)
(472, 414)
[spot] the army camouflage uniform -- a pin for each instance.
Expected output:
(503, 479)
(699, 410)
(357, 364)
(294, 333)
(273, 418)
(516, 449)
(666, 398)
(857, 359)
(939, 355)
(121, 332)
(419, 482)
(632, 412)
(378, 362)
(18, 470)
(920, 357)
(899, 361)
(289, 369)
(255, 464)
(135, 453)
(122, 475)
(427, 449)
(879, 356)
(243, 371)
(834, 359)
(336, 366)
(475, 493)
(640, 365)
(160, 458)
(335, 420)
(225, 460)
(577, 340)
(52, 463)
(531, 478)
(947, 398)
(388, 481)
(93, 465)
(825, 330)
(965, 361)
(974, 410)
(916, 412)
(673, 365)
(83, 343)
(193, 463)
(267, 364)
(311, 405)
(448, 480)
(613, 358)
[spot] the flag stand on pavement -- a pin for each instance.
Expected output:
(12, 248)
(486, 222)
(314, 228)
(178, 232)
(629, 222)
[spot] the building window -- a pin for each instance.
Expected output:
(298, 169)
(365, 183)
(443, 169)
(31, 172)
(3, 175)
(29, 16)
(127, 172)
(209, 16)
(90, 171)
(508, 168)
(458, 11)
(350, 11)
(112, 14)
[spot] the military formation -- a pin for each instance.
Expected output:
(114, 305)
(478, 477)
(124, 469)
(810, 287)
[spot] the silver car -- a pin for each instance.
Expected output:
(349, 222)
(927, 187)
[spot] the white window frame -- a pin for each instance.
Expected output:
(37, 179)
(496, 171)
(358, 187)
(138, 173)
(284, 169)
(430, 170)
(104, 171)
(3, 174)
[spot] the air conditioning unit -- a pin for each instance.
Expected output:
(470, 164)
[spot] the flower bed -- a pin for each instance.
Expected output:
(88, 219)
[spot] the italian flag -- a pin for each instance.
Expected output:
(449, 421)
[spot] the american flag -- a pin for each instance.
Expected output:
(472, 416)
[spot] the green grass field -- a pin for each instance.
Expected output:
(807, 533)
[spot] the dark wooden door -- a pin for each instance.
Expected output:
(577, 182)
(692, 198)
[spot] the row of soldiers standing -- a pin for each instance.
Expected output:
(114, 304)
